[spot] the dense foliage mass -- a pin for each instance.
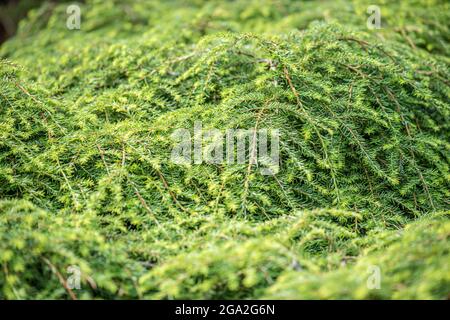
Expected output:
(85, 141)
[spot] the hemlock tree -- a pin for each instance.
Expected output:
(87, 120)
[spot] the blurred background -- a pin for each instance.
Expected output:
(12, 11)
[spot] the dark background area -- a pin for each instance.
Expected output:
(12, 11)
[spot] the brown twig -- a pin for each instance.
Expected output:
(60, 278)
(166, 185)
(286, 74)
(362, 43)
(102, 155)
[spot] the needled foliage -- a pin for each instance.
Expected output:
(419, 251)
(86, 178)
